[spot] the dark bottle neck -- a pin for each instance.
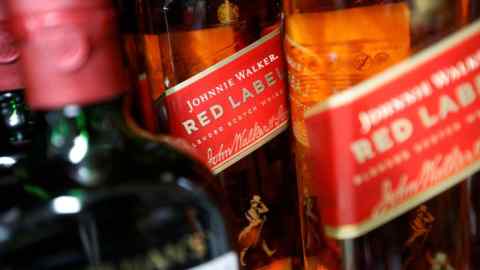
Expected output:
(15, 121)
(97, 145)
(82, 140)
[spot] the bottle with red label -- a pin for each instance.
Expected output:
(381, 155)
(106, 197)
(223, 70)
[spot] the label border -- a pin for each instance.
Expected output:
(351, 231)
(221, 64)
(261, 141)
(371, 85)
(251, 148)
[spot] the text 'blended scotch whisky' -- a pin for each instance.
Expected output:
(107, 198)
(223, 71)
(362, 205)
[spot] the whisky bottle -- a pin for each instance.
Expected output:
(331, 47)
(15, 121)
(222, 68)
(108, 198)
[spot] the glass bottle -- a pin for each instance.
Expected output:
(194, 39)
(332, 46)
(108, 198)
(16, 124)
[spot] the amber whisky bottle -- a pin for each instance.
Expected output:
(332, 46)
(222, 68)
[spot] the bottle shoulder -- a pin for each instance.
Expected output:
(123, 224)
(94, 164)
(16, 124)
(94, 150)
(142, 197)
(95, 145)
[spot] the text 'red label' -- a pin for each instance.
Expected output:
(393, 142)
(235, 106)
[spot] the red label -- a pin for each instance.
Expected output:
(235, 106)
(393, 142)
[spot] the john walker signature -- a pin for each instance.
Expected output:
(246, 137)
(433, 171)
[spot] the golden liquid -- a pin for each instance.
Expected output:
(153, 59)
(190, 52)
(328, 52)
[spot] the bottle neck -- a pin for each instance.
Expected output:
(15, 121)
(69, 55)
(79, 134)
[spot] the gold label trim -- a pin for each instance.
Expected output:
(252, 148)
(369, 86)
(356, 230)
(222, 63)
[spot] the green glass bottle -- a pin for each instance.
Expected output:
(108, 198)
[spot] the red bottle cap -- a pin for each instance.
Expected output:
(9, 68)
(70, 51)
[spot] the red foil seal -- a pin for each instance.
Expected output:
(70, 51)
(9, 54)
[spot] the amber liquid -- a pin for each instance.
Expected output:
(133, 41)
(187, 37)
(331, 46)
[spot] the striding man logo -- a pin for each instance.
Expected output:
(251, 236)
(421, 225)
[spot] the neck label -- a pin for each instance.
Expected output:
(399, 139)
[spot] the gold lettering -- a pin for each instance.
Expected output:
(270, 79)
(190, 126)
(258, 86)
(365, 122)
(362, 150)
(427, 119)
(217, 111)
(158, 260)
(234, 103)
(246, 94)
(382, 140)
(402, 130)
(447, 106)
(197, 243)
(466, 94)
(203, 119)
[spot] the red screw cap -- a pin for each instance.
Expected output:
(70, 51)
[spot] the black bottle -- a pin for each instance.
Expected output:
(108, 198)
(16, 124)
